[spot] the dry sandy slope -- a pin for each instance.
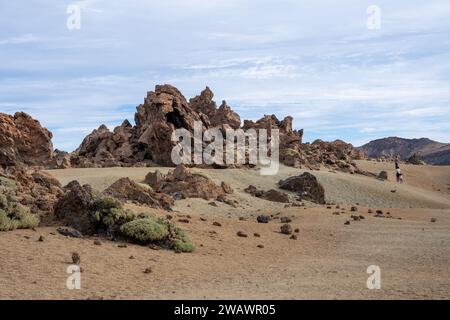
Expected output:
(329, 259)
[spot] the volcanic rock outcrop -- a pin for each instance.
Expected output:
(186, 184)
(166, 109)
(149, 141)
(126, 189)
(34, 189)
(306, 186)
(23, 141)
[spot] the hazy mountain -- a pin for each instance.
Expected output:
(432, 152)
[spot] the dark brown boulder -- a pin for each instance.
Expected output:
(275, 196)
(306, 185)
(75, 208)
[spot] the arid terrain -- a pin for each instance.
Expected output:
(328, 260)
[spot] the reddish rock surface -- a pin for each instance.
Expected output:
(23, 141)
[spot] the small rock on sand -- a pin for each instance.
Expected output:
(148, 270)
(286, 229)
(76, 258)
(285, 220)
(263, 219)
(241, 234)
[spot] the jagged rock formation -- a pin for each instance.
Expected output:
(166, 109)
(23, 141)
(429, 151)
(149, 141)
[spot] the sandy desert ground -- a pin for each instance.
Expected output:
(328, 261)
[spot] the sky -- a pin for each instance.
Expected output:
(315, 60)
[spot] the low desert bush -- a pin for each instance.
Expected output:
(13, 215)
(148, 230)
(110, 213)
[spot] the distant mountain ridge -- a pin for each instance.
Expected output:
(432, 152)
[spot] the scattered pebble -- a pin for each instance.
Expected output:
(285, 220)
(433, 220)
(286, 229)
(217, 224)
(297, 230)
(260, 246)
(257, 235)
(241, 234)
(263, 219)
(76, 258)
(148, 270)
(347, 223)
(183, 220)
(97, 242)
(293, 237)
(41, 239)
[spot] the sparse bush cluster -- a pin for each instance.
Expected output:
(91, 213)
(109, 213)
(13, 215)
(142, 228)
(150, 229)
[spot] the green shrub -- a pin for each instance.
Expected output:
(13, 215)
(157, 230)
(179, 240)
(110, 213)
(17, 217)
(145, 230)
(182, 246)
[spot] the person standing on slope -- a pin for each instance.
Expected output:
(398, 173)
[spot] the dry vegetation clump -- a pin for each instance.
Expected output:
(147, 230)
(13, 215)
